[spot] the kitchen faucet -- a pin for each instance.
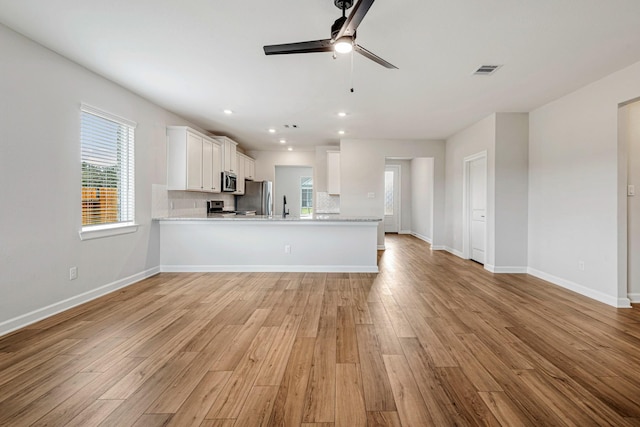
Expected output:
(285, 212)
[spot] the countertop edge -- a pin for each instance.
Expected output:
(271, 219)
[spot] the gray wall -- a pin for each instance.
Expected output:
(630, 131)
(362, 172)
(40, 170)
(577, 189)
(422, 198)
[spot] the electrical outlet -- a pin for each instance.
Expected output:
(73, 273)
(371, 195)
(581, 265)
(287, 249)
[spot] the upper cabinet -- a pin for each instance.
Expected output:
(246, 170)
(229, 150)
(333, 172)
(193, 160)
(249, 168)
(240, 173)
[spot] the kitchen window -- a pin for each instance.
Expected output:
(107, 152)
(306, 197)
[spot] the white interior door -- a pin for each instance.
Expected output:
(477, 208)
(392, 199)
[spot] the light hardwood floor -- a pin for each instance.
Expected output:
(432, 340)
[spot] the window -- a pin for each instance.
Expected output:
(388, 192)
(107, 150)
(306, 196)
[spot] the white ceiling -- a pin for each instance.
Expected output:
(199, 57)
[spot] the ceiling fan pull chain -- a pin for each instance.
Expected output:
(351, 71)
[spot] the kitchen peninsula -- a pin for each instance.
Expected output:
(322, 243)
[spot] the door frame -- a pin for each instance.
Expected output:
(396, 195)
(466, 205)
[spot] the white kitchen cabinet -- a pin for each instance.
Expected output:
(216, 168)
(229, 152)
(240, 173)
(193, 160)
(249, 168)
(333, 172)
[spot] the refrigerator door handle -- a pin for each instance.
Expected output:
(268, 207)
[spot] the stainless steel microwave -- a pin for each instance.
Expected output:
(229, 181)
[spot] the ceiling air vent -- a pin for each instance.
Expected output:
(486, 70)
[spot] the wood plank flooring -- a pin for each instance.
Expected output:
(432, 340)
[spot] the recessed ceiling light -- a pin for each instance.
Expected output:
(272, 130)
(341, 132)
(228, 112)
(290, 148)
(283, 141)
(342, 114)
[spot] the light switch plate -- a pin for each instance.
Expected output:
(631, 190)
(371, 195)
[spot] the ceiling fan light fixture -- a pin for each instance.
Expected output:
(344, 45)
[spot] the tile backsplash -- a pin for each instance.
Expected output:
(326, 203)
(166, 203)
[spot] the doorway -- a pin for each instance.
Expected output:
(475, 207)
(294, 183)
(392, 198)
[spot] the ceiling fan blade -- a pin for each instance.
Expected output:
(375, 58)
(355, 18)
(301, 47)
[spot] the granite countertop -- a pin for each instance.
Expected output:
(274, 218)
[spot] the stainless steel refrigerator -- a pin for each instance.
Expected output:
(258, 196)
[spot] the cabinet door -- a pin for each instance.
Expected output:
(230, 156)
(240, 174)
(207, 165)
(194, 162)
(249, 168)
(216, 168)
(333, 172)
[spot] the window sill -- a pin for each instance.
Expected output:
(100, 231)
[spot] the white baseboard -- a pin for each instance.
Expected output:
(505, 270)
(453, 251)
(438, 247)
(269, 268)
(422, 237)
(42, 313)
(634, 298)
(405, 232)
(582, 290)
(381, 247)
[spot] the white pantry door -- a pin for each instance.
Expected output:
(478, 208)
(392, 199)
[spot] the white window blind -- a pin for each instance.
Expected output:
(108, 196)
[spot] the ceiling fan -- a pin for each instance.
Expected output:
(343, 36)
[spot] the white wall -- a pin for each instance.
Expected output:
(266, 162)
(405, 194)
(511, 192)
(479, 137)
(422, 198)
(40, 97)
(577, 194)
(362, 171)
(630, 137)
(504, 138)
